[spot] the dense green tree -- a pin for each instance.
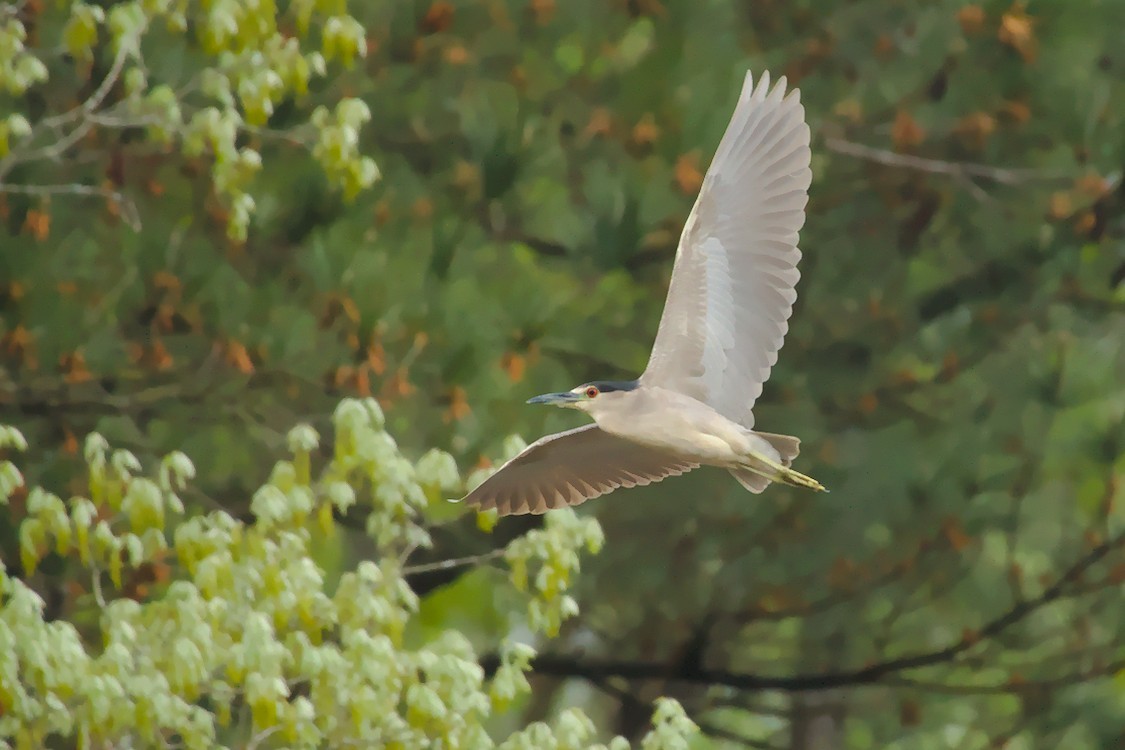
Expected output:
(197, 255)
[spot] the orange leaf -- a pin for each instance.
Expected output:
(1016, 31)
(350, 309)
(341, 375)
(1085, 222)
(382, 212)
(543, 10)
(376, 358)
(74, 367)
(601, 123)
(904, 377)
(688, 177)
(438, 18)
(906, 131)
(646, 132)
(868, 403)
(70, 442)
(1018, 112)
(954, 533)
(884, 46)
(17, 338)
(166, 281)
(458, 405)
(1093, 185)
(422, 209)
(971, 18)
(514, 365)
(456, 54)
(1059, 206)
(37, 224)
(236, 356)
(950, 364)
(398, 385)
(161, 359)
(976, 128)
(362, 381)
(165, 318)
(466, 175)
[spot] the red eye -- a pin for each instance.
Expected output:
(591, 392)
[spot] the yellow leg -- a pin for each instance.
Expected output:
(785, 475)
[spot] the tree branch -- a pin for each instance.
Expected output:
(457, 562)
(598, 670)
(958, 169)
(81, 114)
(129, 210)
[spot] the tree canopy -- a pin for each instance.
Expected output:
(246, 243)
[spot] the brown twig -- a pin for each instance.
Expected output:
(956, 169)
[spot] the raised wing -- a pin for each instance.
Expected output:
(733, 283)
(569, 468)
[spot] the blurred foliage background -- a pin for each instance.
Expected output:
(220, 218)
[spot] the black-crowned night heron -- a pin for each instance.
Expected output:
(729, 302)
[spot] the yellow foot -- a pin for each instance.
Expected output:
(797, 479)
(786, 475)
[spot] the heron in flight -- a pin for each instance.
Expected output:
(725, 318)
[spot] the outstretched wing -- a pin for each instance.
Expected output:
(733, 283)
(569, 468)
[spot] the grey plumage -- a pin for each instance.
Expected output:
(724, 321)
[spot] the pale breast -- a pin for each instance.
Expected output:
(676, 424)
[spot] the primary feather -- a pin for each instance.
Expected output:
(734, 278)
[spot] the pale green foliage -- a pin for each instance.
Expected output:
(438, 469)
(337, 146)
(671, 727)
(19, 68)
(249, 641)
(544, 560)
(570, 730)
(253, 65)
(10, 476)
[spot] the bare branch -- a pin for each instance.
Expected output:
(595, 670)
(1010, 688)
(95, 99)
(129, 211)
(81, 114)
(957, 169)
(456, 562)
(714, 730)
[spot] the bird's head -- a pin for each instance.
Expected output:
(588, 396)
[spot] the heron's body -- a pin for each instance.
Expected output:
(729, 301)
(681, 426)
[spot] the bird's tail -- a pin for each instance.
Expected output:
(761, 470)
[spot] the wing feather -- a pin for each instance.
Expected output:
(734, 280)
(569, 468)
